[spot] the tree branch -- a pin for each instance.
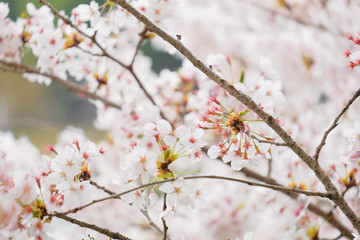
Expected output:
(163, 218)
(107, 232)
(151, 222)
(335, 123)
(72, 87)
(266, 141)
(138, 45)
(247, 101)
(250, 183)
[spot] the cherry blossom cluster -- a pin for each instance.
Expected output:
(239, 128)
(10, 40)
(143, 166)
(58, 184)
(239, 147)
(174, 145)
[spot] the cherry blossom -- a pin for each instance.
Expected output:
(352, 136)
(84, 13)
(191, 140)
(141, 164)
(286, 56)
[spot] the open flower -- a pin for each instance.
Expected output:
(191, 140)
(240, 145)
(141, 164)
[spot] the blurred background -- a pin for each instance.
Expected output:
(41, 112)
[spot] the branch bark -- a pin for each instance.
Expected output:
(107, 232)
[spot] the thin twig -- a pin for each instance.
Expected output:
(141, 40)
(163, 218)
(250, 183)
(72, 87)
(335, 123)
(101, 187)
(251, 104)
(107, 232)
(151, 222)
(266, 141)
(269, 166)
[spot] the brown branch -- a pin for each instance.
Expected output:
(107, 232)
(247, 101)
(72, 87)
(142, 39)
(163, 219)
(265, 141)
(335, 123)
(151, 222)
(287, 190)
(101, 187)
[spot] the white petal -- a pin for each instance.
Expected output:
(238, 164)
(169, 140)
(214, 152)
(183, 132)
(166, 188)
(164, 127)
(350, 134)
(357, 126)
(150, 129)
(248, 236)
(201, 143)
(227, 158)
(197, 133)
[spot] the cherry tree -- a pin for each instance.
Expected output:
(255, 136)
